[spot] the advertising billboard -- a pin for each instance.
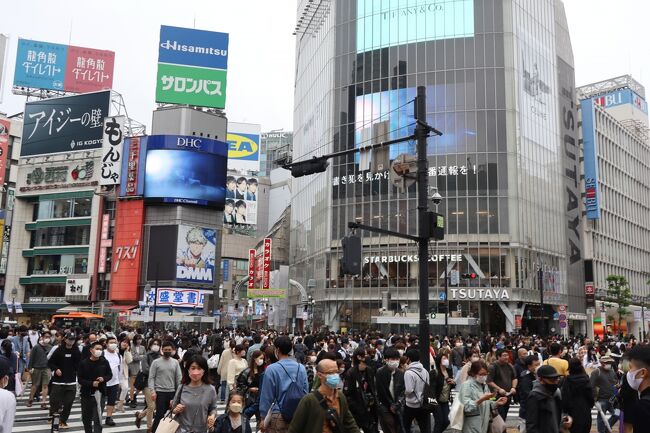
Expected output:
(185, 170)
(4, 147)
(45, 65)
(385, 24)
(3, 58)
(243, 146)
(127, 244)
(241, 201)
(195, 255)
(112, 148)
(62, 125)
(622, 97)
(192, 67)
(133, 167)
(590, 146)
(178, 298)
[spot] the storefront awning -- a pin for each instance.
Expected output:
(33, 306)
(121, 307)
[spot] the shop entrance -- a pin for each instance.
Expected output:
(493, 321)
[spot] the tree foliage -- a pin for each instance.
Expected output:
(619, 293)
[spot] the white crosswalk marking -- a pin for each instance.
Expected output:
(35, 420)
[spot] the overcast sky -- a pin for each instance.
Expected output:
(610, 38)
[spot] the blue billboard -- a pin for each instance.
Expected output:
(590, 149)
(622, 97)
(384, 23)
(40, 65)
(191, 47)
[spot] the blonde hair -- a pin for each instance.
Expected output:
(195, 236)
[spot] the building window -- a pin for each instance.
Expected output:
(61, 236)
(63, 208)
(64, 264)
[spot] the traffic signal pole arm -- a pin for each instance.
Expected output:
(383, 231)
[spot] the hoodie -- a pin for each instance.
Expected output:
(414, 378)
(543, 410)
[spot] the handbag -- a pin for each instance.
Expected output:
(168, 424)
(497, 424)
(140, 382)
(18, 387)
(456, 415)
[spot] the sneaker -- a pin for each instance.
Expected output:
(63, 425)
(133, 404)
(109, 421)
(138, 420)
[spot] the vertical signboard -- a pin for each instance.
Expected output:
(112, 148)
(125, 274)
(3, 58)
(590, 150)
(6, 236)
(225, 270)
(45, 65)
(105, 243)
(4, 147)
(133, 167)
(192, 67)
(266, 270)
(251, 269)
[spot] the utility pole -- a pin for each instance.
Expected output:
(540, 282)
(447, 296)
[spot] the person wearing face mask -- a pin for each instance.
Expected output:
(222, 368)
(359, 389)
(462, 375)
(195, 401)
(236, 365)
(544, 404)
(138, 353)
(389, 383)
(638, 378)
(164, 379)
(64, 362)
(525, 386)
(232, 421)
(310, 367)
(603, 381)
(40, 372)
(7, 399)
(477, 400)
(442, 383)
(249, 382)
(152, 355)
(324, 410)
(112, 355)
(93, 374)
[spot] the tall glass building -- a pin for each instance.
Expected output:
(500, 86)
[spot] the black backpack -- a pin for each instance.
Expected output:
(429, 402)
(292, 397)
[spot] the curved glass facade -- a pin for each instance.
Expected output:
(491, 81)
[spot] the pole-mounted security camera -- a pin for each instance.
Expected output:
(436, 198)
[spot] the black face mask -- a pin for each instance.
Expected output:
(167, 354)
(551, 387)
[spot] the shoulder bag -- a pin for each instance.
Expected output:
(168, 423)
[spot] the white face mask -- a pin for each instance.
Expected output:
(401, 352)
(632, 380)
(481, 379)
(259, 361)
(475, 358)
(112, 346)
(97, 353)
(155, 348)
(445, 363)
(312, 359)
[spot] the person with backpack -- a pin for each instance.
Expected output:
(325, 409)
(359, 389)
(285, 383)
(415, 380)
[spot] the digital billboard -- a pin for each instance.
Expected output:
(45, 65)
(388, 23)
(590, 146)
(68, 124)
(192, 67)
(185, 170)
(5, 124)
(195, 255)
(243, 146)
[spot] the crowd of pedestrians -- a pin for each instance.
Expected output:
(326, 382)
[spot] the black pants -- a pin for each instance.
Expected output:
(90, 415)
(441, 415)
(418, 414)
(389, 421)
(61, 399)
(162, 406)
(503, 410)
(367, 421)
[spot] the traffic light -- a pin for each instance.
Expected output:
(351, 262)
(310, 166)
(470, 276)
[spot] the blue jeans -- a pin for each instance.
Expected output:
(224, 390)
(606, 406)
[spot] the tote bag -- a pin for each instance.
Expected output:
(168, 424)
(456, 415)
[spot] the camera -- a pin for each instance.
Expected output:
(436, 198)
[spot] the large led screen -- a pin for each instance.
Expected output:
(382, 23)
(185, 177)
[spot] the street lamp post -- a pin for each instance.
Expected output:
(643, 317)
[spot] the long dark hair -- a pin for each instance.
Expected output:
(202, 363)
(575, 367)
(7, 348)
(252, 366)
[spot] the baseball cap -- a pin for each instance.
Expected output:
(547, 372)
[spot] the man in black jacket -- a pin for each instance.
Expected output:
(525, 385)
(390, 393)
(544, 404)
(359, 389)
(64, 362)
(93, 374)
(639, 379)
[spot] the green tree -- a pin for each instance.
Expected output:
(618, 292)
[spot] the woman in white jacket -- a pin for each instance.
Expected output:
(127, 358)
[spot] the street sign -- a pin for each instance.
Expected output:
(562, 325)
(441, 295)
(562, 317)
(591, 311)
(561, 308)
(556, 316)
